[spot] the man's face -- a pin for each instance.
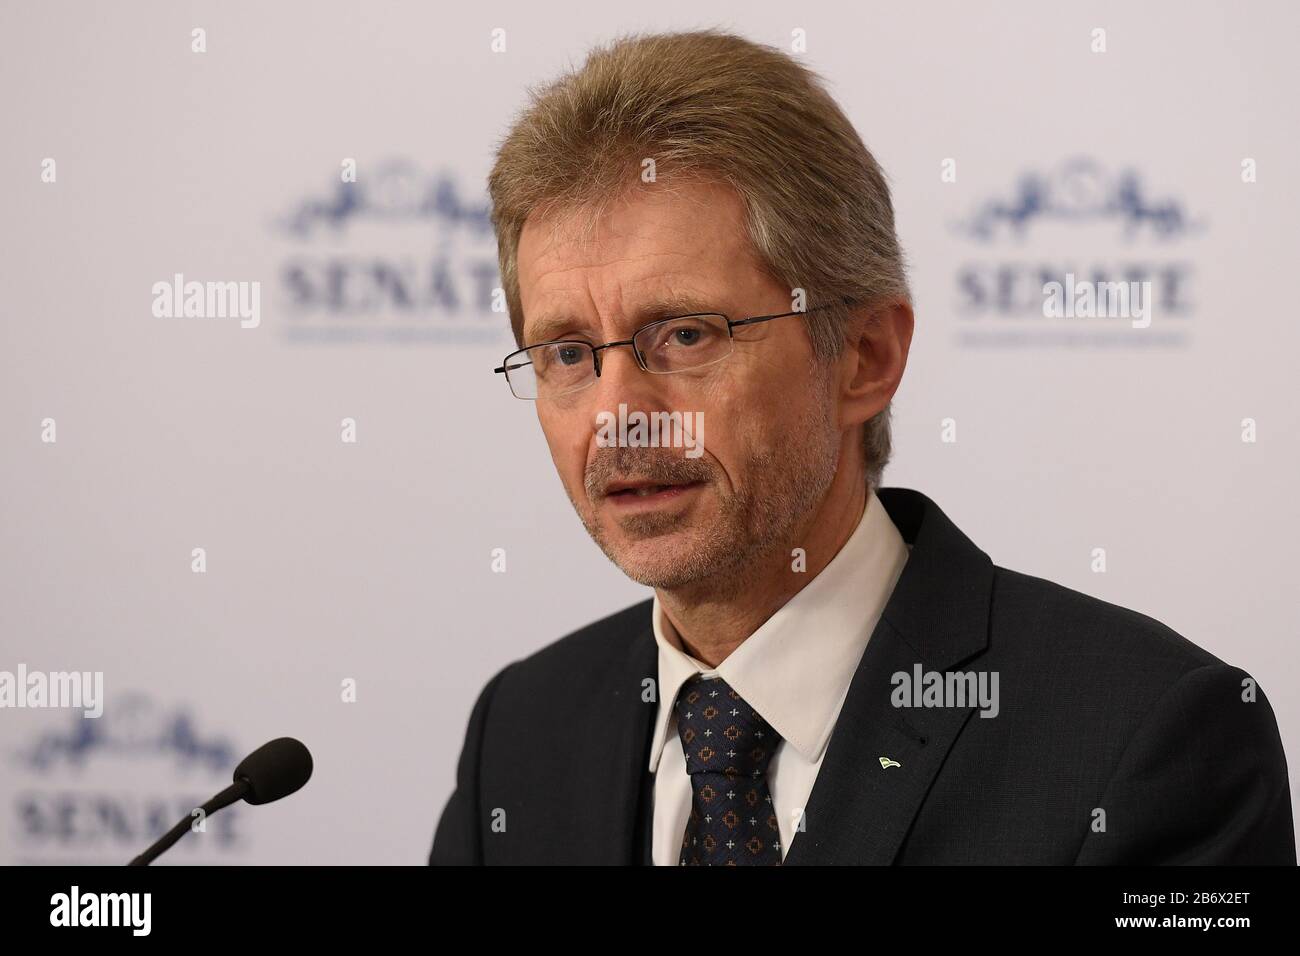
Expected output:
(770, 437)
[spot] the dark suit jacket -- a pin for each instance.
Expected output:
(1101, 709)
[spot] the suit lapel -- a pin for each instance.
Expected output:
(860, 811)
(616, 819)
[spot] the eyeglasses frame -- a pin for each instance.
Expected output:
(640, 359)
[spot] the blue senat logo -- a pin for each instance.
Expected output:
(398, 255)
(1080, 226)
(101, 790)
(1081, 191)
(134, 728)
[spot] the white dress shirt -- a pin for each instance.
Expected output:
(794, 671)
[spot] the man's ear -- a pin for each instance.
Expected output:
(879, 336)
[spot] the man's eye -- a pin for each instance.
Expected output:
(569, 355)
(687, 336)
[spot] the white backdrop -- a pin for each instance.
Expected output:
(371, 561)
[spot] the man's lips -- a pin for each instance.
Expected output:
(630, 492)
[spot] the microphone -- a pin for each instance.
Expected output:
(274, 770)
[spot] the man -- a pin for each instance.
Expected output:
(828, 671)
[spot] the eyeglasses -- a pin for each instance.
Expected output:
(678, 344)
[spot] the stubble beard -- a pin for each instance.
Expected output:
(782, 490)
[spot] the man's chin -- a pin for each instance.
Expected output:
(664, 561)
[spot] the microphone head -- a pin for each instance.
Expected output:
(274, 770)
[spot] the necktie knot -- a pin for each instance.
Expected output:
(720, 732)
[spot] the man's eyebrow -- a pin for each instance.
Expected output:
(550, 327)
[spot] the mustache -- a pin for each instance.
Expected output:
(659, 466)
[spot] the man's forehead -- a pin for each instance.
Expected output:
(657, 261)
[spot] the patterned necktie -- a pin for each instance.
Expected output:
(728, 747)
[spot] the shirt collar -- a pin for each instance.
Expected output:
(796, 668)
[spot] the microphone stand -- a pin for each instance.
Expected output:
(236, 791)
